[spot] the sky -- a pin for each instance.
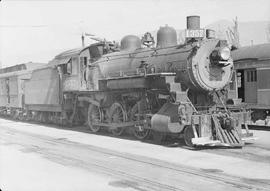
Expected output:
(38, 30)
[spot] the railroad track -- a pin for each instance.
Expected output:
(139, 172)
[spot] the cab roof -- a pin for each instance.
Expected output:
(65, 56)
(69, 53)
(75, 51)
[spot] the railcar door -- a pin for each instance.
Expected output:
(251, 86)
(241, 85)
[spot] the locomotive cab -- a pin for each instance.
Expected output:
(72, 69)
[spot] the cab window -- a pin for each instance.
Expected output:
(64, 68)
(95, 53)
(69, 67)
(74, 66)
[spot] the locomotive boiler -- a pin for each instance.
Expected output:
(153, 88)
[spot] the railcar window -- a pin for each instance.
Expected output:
(255, 76)
(252, 76)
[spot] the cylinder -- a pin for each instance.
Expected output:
(166, 36)
(193, 22)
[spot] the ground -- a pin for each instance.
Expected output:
(39, 157)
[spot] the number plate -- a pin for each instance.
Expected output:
(199, 33)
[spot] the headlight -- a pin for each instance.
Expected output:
(225, 53)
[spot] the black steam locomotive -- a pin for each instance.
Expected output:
(169, 89)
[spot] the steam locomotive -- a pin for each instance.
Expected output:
(165, 90)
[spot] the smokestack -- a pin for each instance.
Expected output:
(193, 22)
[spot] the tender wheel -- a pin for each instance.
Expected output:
(188, 135)
(139, 133)
(117, 115)
(94, 116)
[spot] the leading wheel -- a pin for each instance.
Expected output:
(188, 135)
(94, 116)
(117, 115)
(140, 133)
